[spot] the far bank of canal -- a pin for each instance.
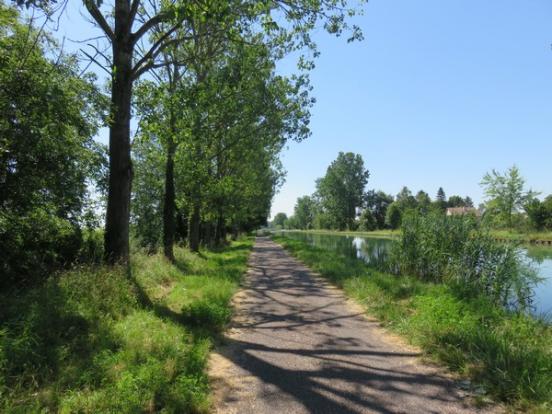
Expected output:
(374, 250)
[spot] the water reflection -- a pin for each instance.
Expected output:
(541, 258)
(374, 251)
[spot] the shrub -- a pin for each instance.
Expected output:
(367, 222)
(459, 251)
(207, 313)
(393, 216)
(34, 244)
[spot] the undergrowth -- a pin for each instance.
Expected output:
(98, 340)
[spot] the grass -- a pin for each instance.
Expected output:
(98, 340)
(508, 355)
(515, 235)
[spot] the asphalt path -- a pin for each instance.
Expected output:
(297, 345)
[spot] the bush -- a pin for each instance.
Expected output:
(393, 216)
(34, 244)
(207, 313)
(367, 222)
(459, 251)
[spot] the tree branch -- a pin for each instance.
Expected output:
(93, 59)
(154, 21)
(156, 49)
(99, 18)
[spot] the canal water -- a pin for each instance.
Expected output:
(374, 250)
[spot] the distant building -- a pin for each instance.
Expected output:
(460, 211)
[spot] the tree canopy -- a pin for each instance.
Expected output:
(341, 190)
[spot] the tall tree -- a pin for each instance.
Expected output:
(394, 216)
(279, 219)
(423, 201)
(506, 193)
(126, 67)
(441, 199)
(456, 201)
(141, 30)
(377, 203)
(405, 199)
(341, 190)
(305, 210)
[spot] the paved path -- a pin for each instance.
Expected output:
(298, 346)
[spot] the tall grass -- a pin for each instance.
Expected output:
(508, 354)
(106, 340)
(458, 250)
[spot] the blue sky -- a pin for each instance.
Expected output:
(438, 93)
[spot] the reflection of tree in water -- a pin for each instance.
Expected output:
(373, 251)
(539, 253)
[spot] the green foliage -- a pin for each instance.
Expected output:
(456, 201)
(539, 213)
(457, 250)
(209, 313)
(147, 199)
(405, 200)
(304, 213)
(341, 190)
(441, 200)
(48, 158)
(393, 216)
(225, 150)
(291, 223)
(377, 203)
(98, 339)
(279, 219)
(505, 195)
(423, 201)
(367, 222)
(508, 354)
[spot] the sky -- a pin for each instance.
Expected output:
(438, 93)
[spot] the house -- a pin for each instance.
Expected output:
(460, 211)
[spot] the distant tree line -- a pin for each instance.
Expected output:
(342, 203)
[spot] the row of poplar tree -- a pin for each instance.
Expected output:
(212, 115)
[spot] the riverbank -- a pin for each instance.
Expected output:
(376, 233)
(503, 235)
(108, 340)
(507, 355)
(531, 238)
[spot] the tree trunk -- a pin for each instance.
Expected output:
(194, 225)
(181, 230)
(220, 230)
(207, 234)
(235, 232)
(169, 222)
(120, 164)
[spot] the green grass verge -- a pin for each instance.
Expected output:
(527, 237)
(509, 355)
(99, 340)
